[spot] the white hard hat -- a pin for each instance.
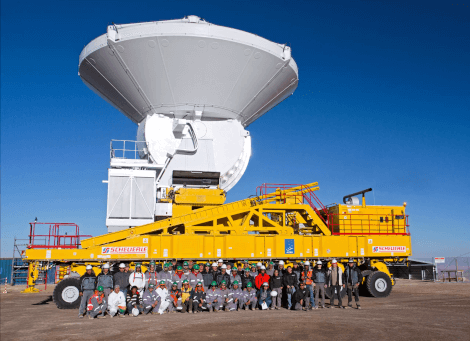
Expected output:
(281, 262)
(273, 293)
(122, 265)
(221, 261)
(89, 267)
(106, 266)
(265, 284)
(334, 261)
(135, 312)
(307, 263)
(214, 264)
(259, 264)
(263, 267)
(319, 262)
(224, 266)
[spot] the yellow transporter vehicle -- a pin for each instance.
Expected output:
(289, 224)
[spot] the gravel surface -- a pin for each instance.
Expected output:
(414, 310)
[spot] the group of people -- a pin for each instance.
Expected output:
(194, 288)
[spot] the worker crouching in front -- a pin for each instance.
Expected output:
(186, 299)
(150, 300)
(236, 296)
(264, 296)
(134, 305)
(116, 302)
(175, 302)
(97, 304)
(301, 297)
(213, 298)
(250, 299)
(199, 299)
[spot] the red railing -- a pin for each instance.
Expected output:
(54, 239)
(374, 224)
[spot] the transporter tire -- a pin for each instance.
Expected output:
(66, 294)
(329, 291)
(379, 284)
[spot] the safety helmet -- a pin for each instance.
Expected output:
(175, 284)
(249, 285)
(100, 288)
(247, 269)
(214, 283)
(185, 281)
(259, 264)
(151, 285)
(351, 260)
(152, 263)
(106, 266)
(273, 293)
(263, 267)
(199, 284)
(334, 261)
(89, 267)
(179, 268)
(214, 264)
(281, 262)
(265, 284)
(135, 312)
(224, 266)
(208, 264)
(220, 261)
(223, 282)
(319, 262)
(166, 265)
(272, 263)
(246, 260)
(122, 265)
(162, 282)
(185, 263)
(235, 282)
(196, 267)
(307, 263)
(137, 265)
(234, 269)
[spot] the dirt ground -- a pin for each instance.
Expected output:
(414, 310)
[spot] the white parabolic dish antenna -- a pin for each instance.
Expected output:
(192, 87)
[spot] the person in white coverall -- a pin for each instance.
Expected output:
(162, 291)
(137, 279)
(116, 302)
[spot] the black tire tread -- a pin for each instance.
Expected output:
(370, 284)
(57, 293)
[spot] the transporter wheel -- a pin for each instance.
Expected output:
(66, 294)
(329, 291)
(379, 284)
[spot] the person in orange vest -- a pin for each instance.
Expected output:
(262, 277)
(97, 304)
(306, 277)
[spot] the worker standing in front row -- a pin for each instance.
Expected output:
(97, 304)
(276, 284)
(319, 276)
(290, 283)
(262, 277)
(336, 283)
(307, 278)
(353, 277)
(121, 278)
(105, 279)
(87, 287)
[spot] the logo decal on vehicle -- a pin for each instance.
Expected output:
(124, 250)
(289, 245)
(381, 249)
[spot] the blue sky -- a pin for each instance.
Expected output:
(383, 102)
